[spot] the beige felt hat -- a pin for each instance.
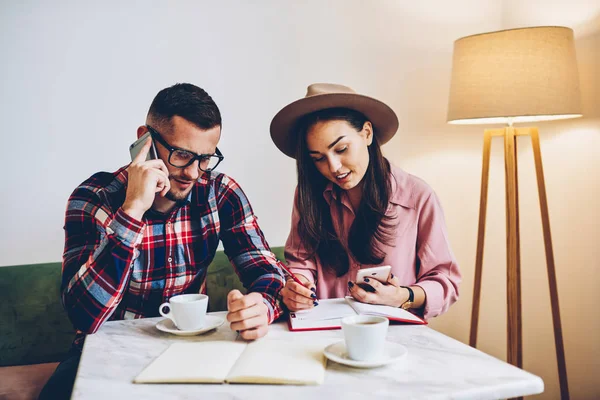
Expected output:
(320, 96)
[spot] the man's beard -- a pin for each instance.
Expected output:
(178, 197)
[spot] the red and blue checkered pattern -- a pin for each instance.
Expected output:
(115, 267)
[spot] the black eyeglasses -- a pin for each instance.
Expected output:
(180, 158)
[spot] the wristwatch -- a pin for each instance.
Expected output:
(411, 298)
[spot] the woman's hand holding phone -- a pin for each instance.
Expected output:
(298, 297)
(145, 179)
(387, 293)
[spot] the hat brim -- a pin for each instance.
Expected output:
(383, 118)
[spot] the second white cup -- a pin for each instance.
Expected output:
(365, 336)
(187, 311)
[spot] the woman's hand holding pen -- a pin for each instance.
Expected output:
(299, 297)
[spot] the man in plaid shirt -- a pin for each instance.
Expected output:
(149, 231)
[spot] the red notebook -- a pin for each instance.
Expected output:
(329, 313)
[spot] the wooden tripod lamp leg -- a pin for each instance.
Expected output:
(558, 339)
(518, 281)
(485, 173)
(513, 279)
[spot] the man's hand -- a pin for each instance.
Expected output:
(299, 297)
(247, 314)
(145, 179)
(389, 293)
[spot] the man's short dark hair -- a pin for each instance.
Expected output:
(187, 101)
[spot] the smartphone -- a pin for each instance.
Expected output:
(381, 274)
(136, 147)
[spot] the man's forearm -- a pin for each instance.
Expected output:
(95, 276)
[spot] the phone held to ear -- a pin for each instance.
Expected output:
(136, 147)
(382, 274)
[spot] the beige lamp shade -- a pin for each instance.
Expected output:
(517, 75)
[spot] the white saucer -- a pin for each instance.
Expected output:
(393, 352)
(212, 322)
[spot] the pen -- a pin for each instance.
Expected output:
(295, 278)
(290, 273)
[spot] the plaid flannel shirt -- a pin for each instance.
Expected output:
(115, 267)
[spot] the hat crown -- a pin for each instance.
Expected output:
(327, 88)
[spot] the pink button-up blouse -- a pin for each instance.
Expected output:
(419, 255)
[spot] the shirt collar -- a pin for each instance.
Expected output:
(207, 177)
(330, 193)
(121, 175)
(402, 190)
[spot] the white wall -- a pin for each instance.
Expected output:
(77, 79)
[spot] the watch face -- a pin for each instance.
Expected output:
(407, 305)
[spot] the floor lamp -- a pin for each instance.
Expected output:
(515, 76)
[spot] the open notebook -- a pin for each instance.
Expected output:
(329, 313)
(266, 361)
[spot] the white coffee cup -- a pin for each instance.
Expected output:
(365, 336)
(187, 311)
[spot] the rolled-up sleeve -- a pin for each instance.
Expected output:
(438, 275)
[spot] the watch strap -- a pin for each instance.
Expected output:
(411, 294)
(411, 298)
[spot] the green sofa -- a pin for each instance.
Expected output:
(34, 328)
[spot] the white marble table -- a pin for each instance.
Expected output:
(437, 367)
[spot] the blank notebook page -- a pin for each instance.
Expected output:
(190, 362)
(281, 362)
(327, 309)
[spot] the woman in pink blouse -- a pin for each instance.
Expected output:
(353, 209)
